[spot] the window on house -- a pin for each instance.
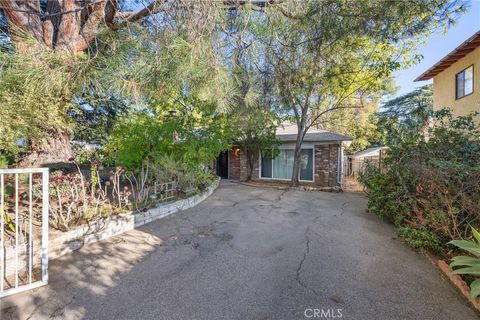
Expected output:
(464, 82)
(306, 165)
(266, 170)
(281, 166)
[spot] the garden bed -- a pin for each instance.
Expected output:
(455, 279)
(61, 243)
(64, 242)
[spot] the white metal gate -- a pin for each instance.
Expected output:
(24, 229)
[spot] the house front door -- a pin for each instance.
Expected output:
(222, 165)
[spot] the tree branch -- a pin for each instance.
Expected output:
(87, 32)
(4, 5)
(23, 17)
(152, 8)
(111, 8)
(234, 4)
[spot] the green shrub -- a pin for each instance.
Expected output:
(187, 137)
(419, 239)
(87, 156)
(429, 185)
(3, 162)
(387, 198)
(190, 179)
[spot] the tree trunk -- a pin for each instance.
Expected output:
(296, 165)
(54, 147)
(250, 156)
(69, 27)
(301, 123)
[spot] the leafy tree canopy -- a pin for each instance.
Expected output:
(301, 59)
(191, 132)
(408, 114)
(324, 55)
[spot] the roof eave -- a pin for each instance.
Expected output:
(332, 140)
(456, 54)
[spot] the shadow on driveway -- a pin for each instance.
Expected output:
(247, 253)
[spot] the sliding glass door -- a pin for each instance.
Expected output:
(281, 166)
(306, 165)
(266, 161)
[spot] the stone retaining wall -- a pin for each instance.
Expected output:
(61, 243)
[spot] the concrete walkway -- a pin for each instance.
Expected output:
(248, 253)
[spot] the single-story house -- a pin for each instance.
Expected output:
(356, 162)
(321, 166)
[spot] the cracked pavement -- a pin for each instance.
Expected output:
(247, 253)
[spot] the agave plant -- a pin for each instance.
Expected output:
(469, 265)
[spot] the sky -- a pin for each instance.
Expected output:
(439, 45)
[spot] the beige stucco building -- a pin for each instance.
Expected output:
(456, 78)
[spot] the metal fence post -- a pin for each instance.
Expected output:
(14, 201)
(45, 211)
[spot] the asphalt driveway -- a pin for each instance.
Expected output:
(248, 253)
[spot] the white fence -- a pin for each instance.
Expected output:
(353, 167)
(24, 229)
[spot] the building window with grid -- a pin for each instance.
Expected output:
(464, 82)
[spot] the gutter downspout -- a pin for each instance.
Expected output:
(340, 164)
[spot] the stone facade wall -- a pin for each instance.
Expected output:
(234, 163)
(326, 165)
(256, 168)
(238, 168)
(245, 168)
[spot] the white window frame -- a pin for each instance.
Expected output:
(457, 97)
(282, 179)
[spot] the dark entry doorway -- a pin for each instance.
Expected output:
(222, 165)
